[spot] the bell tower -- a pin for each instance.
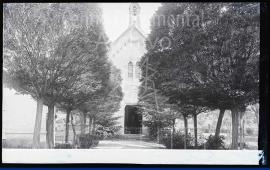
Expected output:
(134, 15)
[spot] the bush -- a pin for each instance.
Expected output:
(215, 142)
(108, 132)
(153, 127)
(178, 140)
(152, 132)
(87, 141)
(63, 146)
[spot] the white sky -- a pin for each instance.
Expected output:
(19, 110)
(116, 17)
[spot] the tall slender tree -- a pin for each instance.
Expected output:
(105, 102)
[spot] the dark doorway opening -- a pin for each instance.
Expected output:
(133, 120)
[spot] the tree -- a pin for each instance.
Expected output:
(93, 78)
(111, 102)
(211, 64)
(219, 122)
(191, 110)
(28, 40)
(88, 48)
(73, 98)
(103, 103)
(188, 110)
(158, 113)
(34, 60)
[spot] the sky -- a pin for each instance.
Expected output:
(19, 110)
(116, 17)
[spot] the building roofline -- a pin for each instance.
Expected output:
(129, 28)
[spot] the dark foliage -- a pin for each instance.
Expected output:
(63, 146)
(215, 142)
(108, 132)
(152, 130)
(178, 140)
(87, 141)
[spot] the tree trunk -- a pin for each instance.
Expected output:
(37, 128)
(174, 126)
(219, 122)
(73, 129)
(83, 122)
(244, 129)
(158, 134)
(186, 131)
(67, 125)
(93, 126)
(50, 127)
(241, 115)
(257, 118)
(172, 135)
(195, 130)
(90, 125)
(235, 125)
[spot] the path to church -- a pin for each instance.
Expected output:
(127, 144)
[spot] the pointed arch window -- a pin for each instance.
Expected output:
(138, 71)
(130, 69)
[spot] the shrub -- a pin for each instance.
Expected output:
(87, 141)
(63, 146)
(108, 132)
(153, 127)
(215, 142)
(178, 140)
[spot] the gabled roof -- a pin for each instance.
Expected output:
(126, 31)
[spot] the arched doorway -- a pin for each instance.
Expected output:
(133, 120)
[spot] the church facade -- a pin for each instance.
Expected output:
(125, 53)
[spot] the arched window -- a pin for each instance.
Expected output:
(130, 70)
(138, 71)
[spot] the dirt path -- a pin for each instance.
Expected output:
(127, 144)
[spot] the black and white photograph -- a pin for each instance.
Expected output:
(139, 83)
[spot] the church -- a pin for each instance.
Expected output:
(125, 53)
